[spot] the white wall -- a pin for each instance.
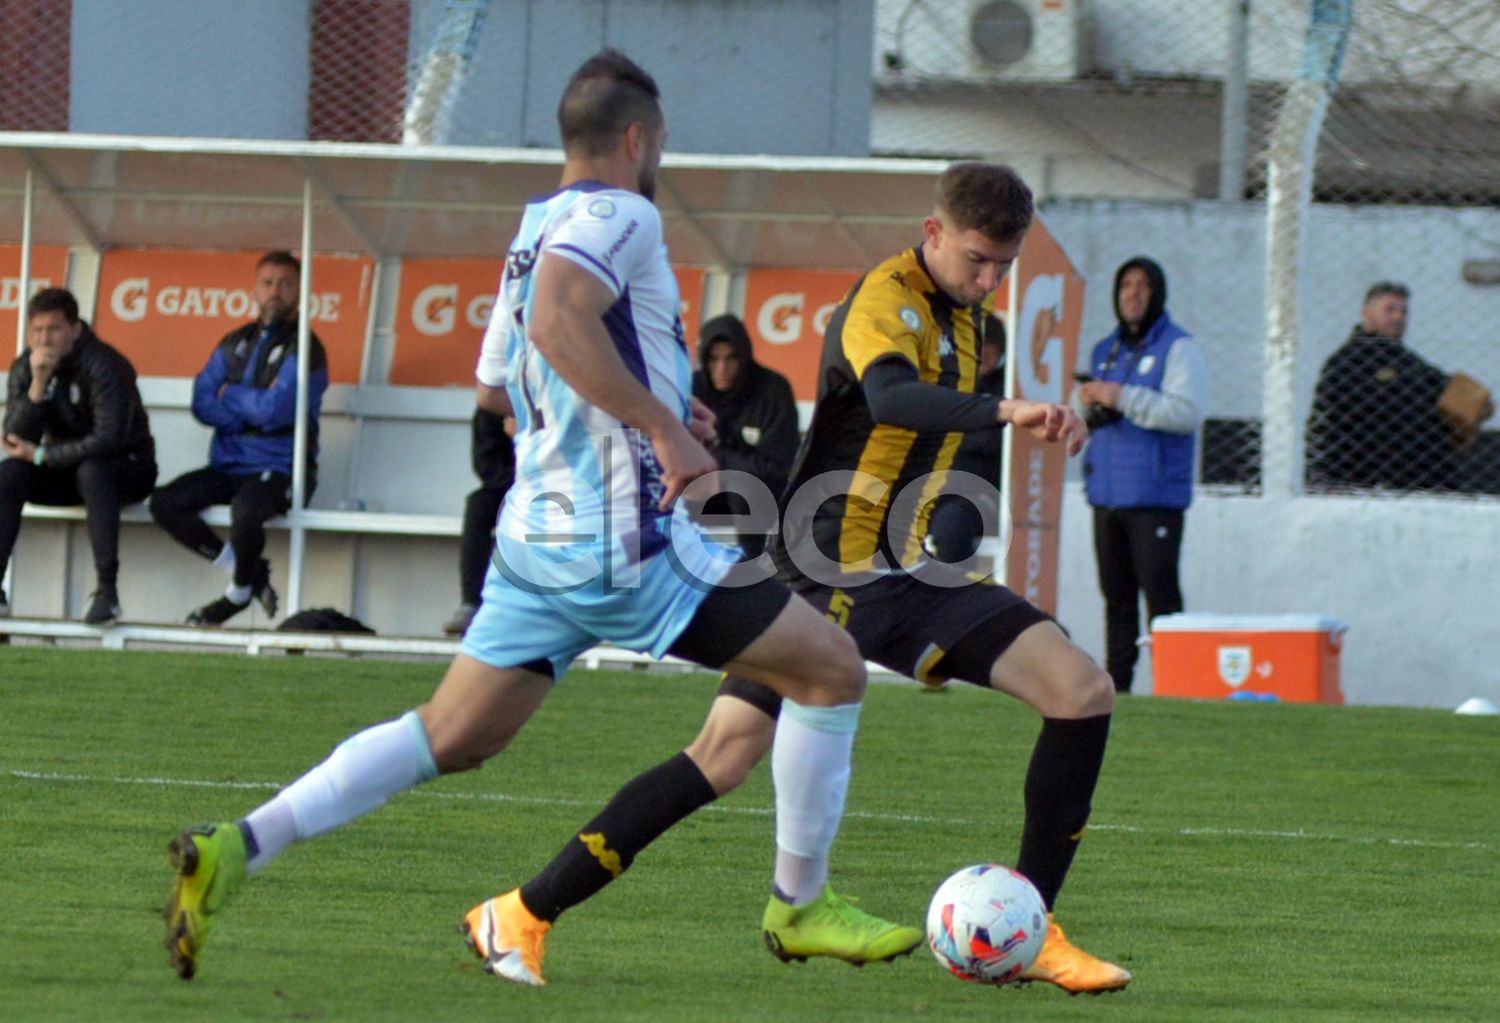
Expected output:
(1412, 577)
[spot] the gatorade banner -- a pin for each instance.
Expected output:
(786, 312)
(165, 309)
(49, 269)
(445, 305)
(1046, 318)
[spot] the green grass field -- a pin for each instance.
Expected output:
(1246, 861)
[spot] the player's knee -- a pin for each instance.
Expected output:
(839, 675)
(458, 744)
(1083, 690)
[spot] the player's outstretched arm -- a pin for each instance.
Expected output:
(1045, 421)
(567, 327)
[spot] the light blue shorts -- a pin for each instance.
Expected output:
(552, 604)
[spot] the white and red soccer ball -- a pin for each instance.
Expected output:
(986, 923)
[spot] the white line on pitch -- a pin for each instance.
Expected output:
(905, 818)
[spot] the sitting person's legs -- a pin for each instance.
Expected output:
(105, 485)
(176, 507)
(477, 543)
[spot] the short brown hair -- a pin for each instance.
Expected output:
(607, 94)
(1382, 288)
(989, 198)
(53, 300)
(281, 257)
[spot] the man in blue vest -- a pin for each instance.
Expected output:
(1143, 398)
(248, 393)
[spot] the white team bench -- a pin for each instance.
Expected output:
(318, 520)
(121, 635)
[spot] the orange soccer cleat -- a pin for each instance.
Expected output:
(510, 940)
(1071, 968)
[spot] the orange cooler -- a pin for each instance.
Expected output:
(1293, 657)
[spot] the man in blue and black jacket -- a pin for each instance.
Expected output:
(248, 394)
(1143, 400)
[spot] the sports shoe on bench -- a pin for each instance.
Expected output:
(104, 607)
(831, 925)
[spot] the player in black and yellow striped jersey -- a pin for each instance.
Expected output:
(896, 394)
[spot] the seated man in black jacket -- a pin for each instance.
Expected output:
(1375, 419)
(76, 433)
(757, 416)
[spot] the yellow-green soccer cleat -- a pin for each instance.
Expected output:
(832, 926)
(210, 863)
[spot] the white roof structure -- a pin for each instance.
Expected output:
(107, 192)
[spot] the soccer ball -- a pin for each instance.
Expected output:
(986, 924)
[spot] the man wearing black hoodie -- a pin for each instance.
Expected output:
(757, 416)
(1144, 402)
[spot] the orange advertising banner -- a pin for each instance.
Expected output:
(444, 307)
(786, 312)
(165, 309)
(49, 269)
(1046, 319)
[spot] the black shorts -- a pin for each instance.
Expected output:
(729, 620)
(918, 628)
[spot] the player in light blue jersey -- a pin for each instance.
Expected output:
(585, 347)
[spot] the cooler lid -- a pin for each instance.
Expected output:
(1205, 622)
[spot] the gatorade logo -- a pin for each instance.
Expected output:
(781, 318)
(1041, 374)
(434, 312)
(133, 298)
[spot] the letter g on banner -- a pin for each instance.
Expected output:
(1039, 366)
(780, 318)
(128, 300)
(434, 310)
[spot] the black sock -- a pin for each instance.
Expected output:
(1059, 792)
(643, 810)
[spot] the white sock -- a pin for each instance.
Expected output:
(239, 594)
(810, 767)
(359, 776)
(225, 560)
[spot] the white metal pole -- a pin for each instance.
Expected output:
(299, 429)
(1236, 102)
(1289, 180)
(23, 291)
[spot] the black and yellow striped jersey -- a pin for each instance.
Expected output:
(869, 506)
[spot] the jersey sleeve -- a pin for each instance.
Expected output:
(492, 370)
(614, 235)
(883, 321)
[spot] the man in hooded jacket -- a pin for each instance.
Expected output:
(757, 415)
(1144, 401)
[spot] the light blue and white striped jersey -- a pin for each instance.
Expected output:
(579, 472)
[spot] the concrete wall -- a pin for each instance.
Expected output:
(217, 68)
(1412, 577)
(774, 76)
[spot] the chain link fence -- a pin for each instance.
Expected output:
(1131, 116)
(1145, 126)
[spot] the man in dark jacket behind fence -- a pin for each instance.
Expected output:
(1375, 419)
(757, 416)
(76, 433)
(248, 393)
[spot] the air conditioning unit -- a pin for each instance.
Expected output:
(979, 40)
